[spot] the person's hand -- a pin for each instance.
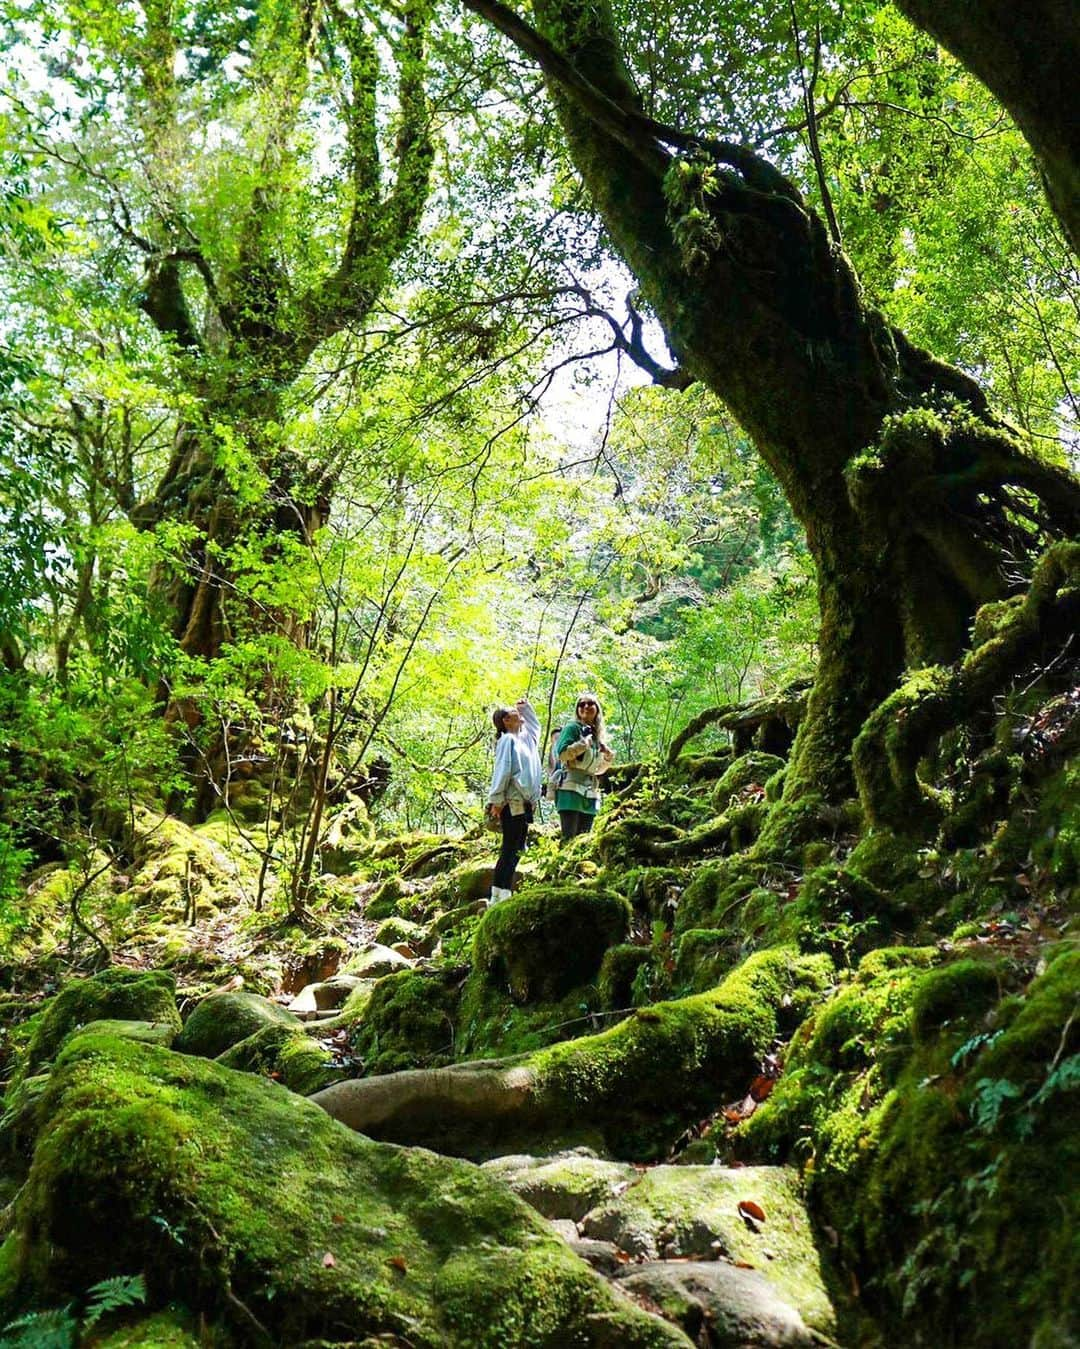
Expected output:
(494, 811)
(522, 702)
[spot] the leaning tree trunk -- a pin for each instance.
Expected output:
(912, 495)
(1028, 56)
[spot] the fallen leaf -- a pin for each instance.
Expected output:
(328, 1260)
(398, 1262)
(338, 1218)
(760, 1087)
(743, 1264)
(748, 1209)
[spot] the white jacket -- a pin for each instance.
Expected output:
(515, 778)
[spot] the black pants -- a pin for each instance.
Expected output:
(514, 830)
(574, 822)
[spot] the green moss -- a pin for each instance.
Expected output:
(840, 912)
(397, 931)
(116, 994)
(169, 1329)
(704, 956)
(288, 1055)
(936, 1136)
(748, 770)
(235, 1191)
(408, 1022)
(961, 990)
(617, 971)
(682, 1210)
(716, 892)
(541, 944)
(492, 1025)
(383, 903)
(224, 1019)
(1055, 831)
(710, 1044)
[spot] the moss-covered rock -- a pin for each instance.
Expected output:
(376, 961)
(181, 869)
(116, 994)
(720, 1304)
(693, 1211)
(287, 1055)
(618, 970)
(402, 931)
(224, 1019)
(937, 1118)
(564, 1186)
(408, 1022)
(541, 944)
(260, 1206)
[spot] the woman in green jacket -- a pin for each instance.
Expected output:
(585, 758)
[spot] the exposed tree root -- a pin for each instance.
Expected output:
(631, 1089)
(907, 725)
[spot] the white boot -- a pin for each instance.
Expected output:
(497, 895)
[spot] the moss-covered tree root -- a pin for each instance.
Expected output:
(631, 1088)
(899, 733)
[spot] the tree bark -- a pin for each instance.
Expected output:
(1028, 56)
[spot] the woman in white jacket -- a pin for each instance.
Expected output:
(515, 787)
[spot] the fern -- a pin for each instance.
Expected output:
(124, 1290)
(54, 1328)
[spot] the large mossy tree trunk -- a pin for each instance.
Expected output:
(259, 326)
(233, 478)
(916, 501)
(1028, 57)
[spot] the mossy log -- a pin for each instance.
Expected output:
(631, 1088)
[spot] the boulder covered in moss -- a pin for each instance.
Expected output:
(375, 962)
(224, 1019)
(408, 1022)
(939, 1110)
(752, 1215)
(263, 1214)
(117, 994)
(717, 1303)
(541, 944)
(403, 931)
(288, 1055)
(565, 1186)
